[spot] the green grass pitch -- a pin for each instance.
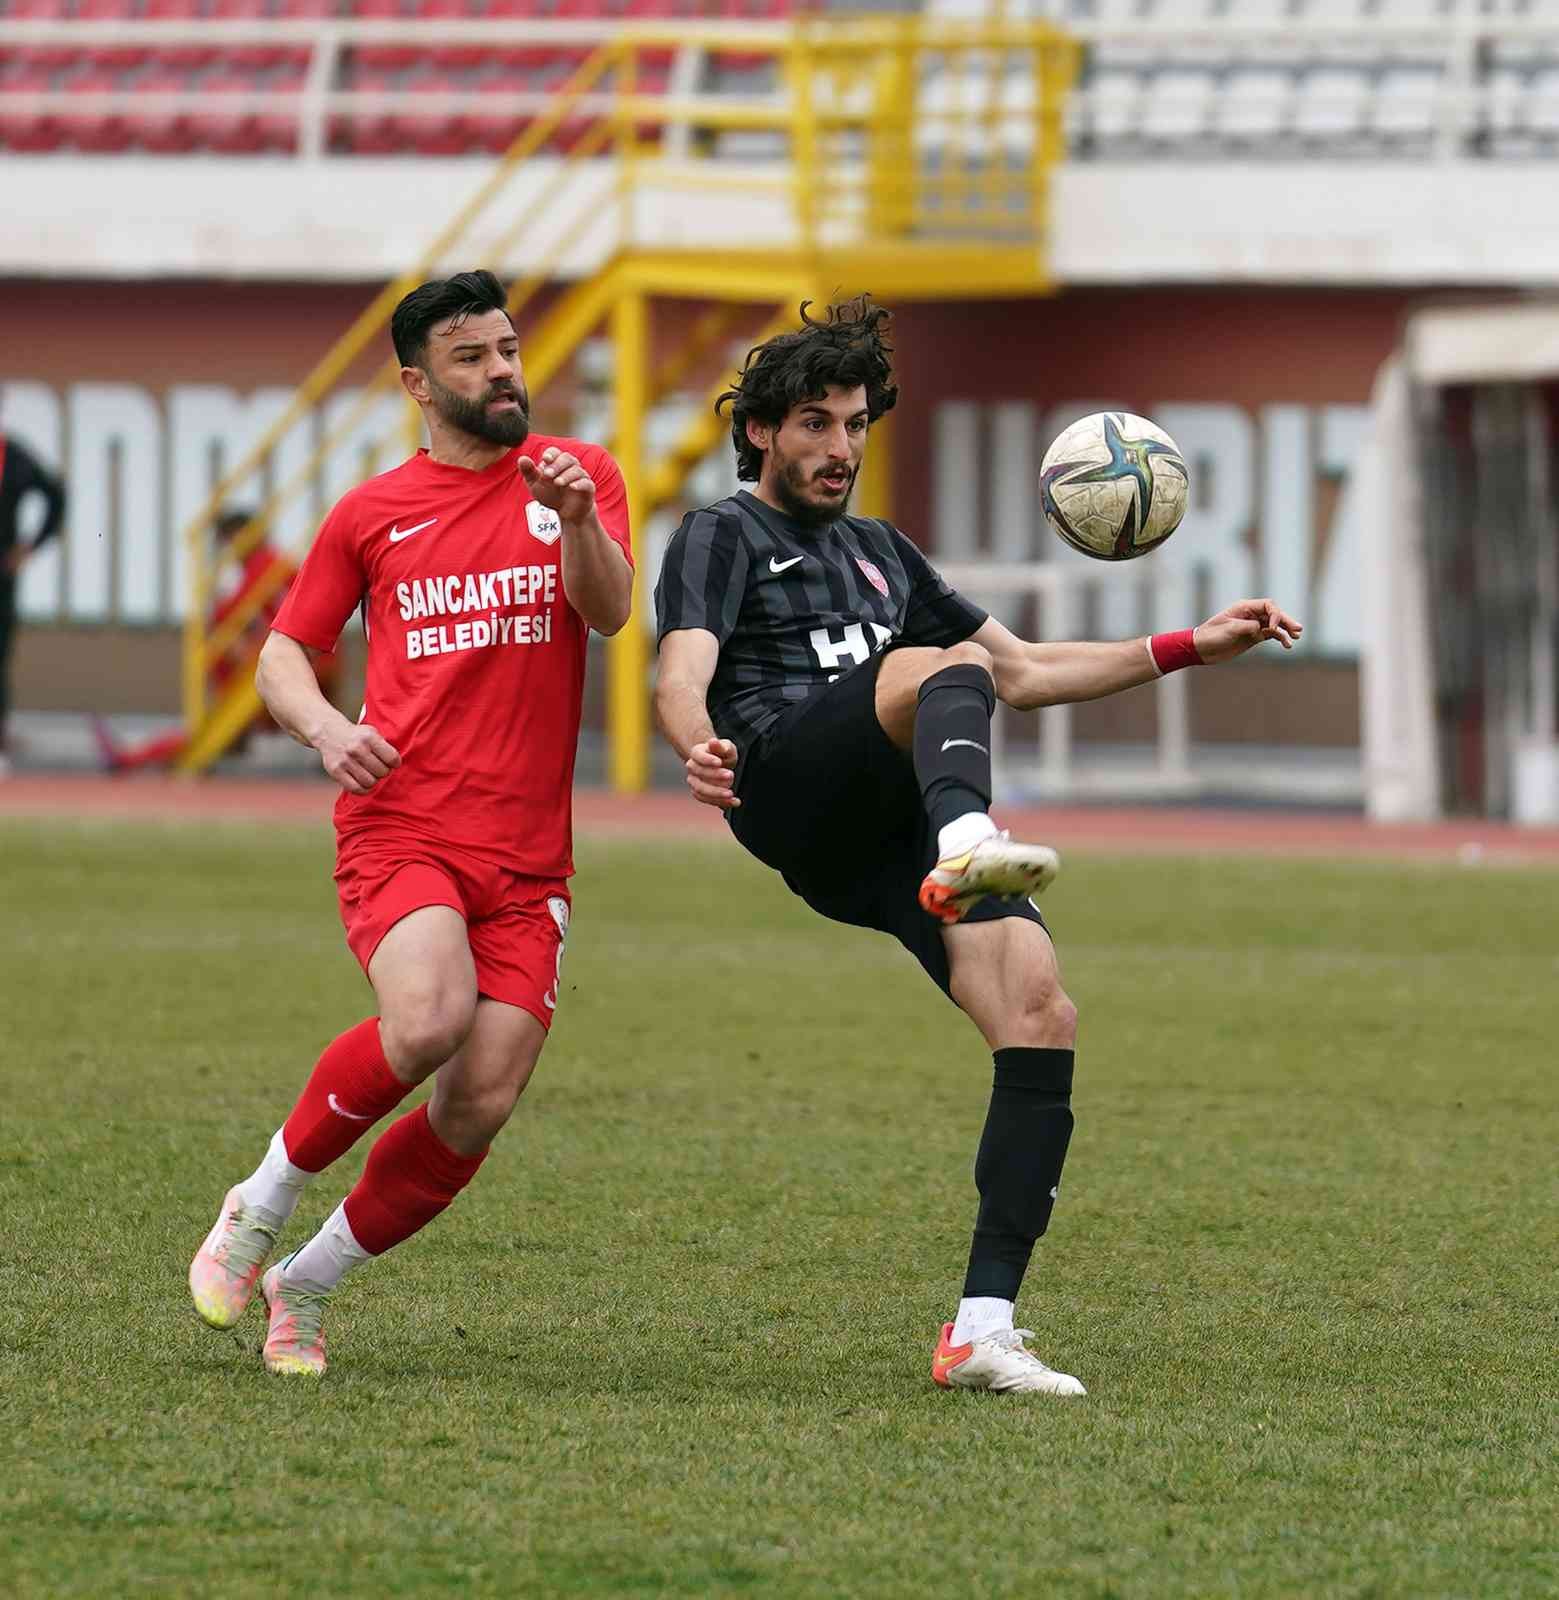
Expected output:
(676, 1339)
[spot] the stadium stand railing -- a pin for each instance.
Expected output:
(1182, 79)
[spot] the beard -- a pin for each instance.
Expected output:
(790, 486)
(473, 417)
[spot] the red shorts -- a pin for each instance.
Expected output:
(515, 925)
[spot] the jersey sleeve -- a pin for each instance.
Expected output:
(703, 578)
(329, 585)
(611, 498)
(937, 614)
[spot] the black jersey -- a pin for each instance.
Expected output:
(21, 474)
(794, 606)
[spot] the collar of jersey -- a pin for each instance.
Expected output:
(505, 462)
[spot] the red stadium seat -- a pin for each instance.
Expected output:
(520, 54)
(250, 57)
(452, 55)
(166, 132)
(490, 127)
(382, 57)
(178, 55)
(101, 132)
(278, 127)
(28, 130)
(220, 124)
(367, 133)
(113, 56)
(297, 55)
(433, 133)
(42, 55)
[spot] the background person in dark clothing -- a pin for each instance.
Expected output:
(21, 475)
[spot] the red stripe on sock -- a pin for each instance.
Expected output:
(350, 1088)
(410, 1177)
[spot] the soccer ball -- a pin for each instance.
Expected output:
(1113, 486)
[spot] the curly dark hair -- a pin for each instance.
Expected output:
(845, 347)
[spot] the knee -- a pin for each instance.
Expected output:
(966, 654)
(471, 1116)
(1041, 1015)
(421, 1034)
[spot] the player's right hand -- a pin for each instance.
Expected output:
(358, 756)
(711, 773)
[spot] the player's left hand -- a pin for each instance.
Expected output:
(558, 481)
(1242, 627)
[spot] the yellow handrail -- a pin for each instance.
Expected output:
(854, 101)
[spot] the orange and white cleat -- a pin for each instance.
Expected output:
(295, 1340)
(997, 1361)
(227, 1265)
(996, 865)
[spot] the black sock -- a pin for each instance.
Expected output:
(1022, 1151)
(953, 742)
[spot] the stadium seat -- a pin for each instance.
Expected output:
(1404, 109)
(1331, 105)
(31, 131)
(1177, 107)
(163, 132)
(488, 125)
(298, 55)
(221, 124)
(246, 57)
(452, 56)
(95, 130)
(523, 52)
(277, 125)
(42, 55)
(1255, 105)
(382, 57)
(118, 55)
(432, 133)
(368, 133)
(189, 12)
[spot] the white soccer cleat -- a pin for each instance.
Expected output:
(996, 865)
(999, 1361)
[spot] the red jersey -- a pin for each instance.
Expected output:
(476, 660)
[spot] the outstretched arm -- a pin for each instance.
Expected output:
(687, 664)
(1032, 675)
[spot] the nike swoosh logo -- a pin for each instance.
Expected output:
(954, 1358)
(397, 534)
(949, 744)
(781, 566)
(341, 1111)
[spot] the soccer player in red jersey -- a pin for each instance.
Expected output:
(480, 565)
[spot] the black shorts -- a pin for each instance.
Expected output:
(832, 804)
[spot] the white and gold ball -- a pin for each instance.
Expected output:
(1113, 485)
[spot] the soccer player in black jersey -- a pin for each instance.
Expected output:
(21, 475)
(834, 696)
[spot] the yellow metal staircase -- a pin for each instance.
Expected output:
(915, 162)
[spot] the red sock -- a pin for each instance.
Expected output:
(411, 1176)
(350, 1088)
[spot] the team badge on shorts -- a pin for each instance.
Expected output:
(544, 522)
(873, 575)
